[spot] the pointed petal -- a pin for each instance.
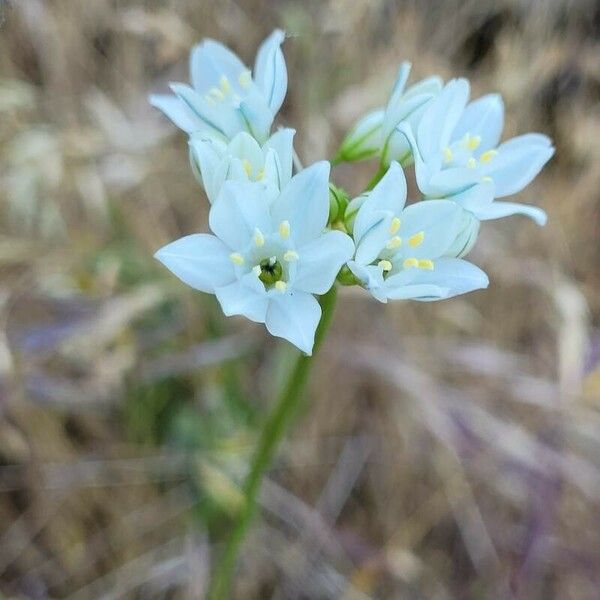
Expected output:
(476, 198)
(209, 61)
(200, 260)
(321, 260)
(516, 165)
(244, 146)
(438, 122)
(294, 316)
(240, 208)
(422, 292)
(497, 210)
(371, 276)
(483, 117)
(304, 202)
(256, 116)
(270, 72)
(208, 158)
(179, 113)
(282, 142)
(238, 299)
(388, 195)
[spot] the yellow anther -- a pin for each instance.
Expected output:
(260, 175)
(394, 243)
(448, 155)
(236, 258)
(245, 78)
(471, 163)
(425, 263)
(416, 240)
(386, 265)
(280, 286)
(284, 229)
(487, 179)
(259, 238)
(257, 270)
(410, 262)
(224, 84)
(473, 142)
(216, 94)
(488, 155)
(290, 256)
(395, 225)
(247, 166)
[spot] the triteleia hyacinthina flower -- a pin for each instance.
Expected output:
(243, 159)
(376, 133)
(401, 252)
(266, 259)
(458, 156)
(226, 97)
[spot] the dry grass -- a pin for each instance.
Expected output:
(448, 450)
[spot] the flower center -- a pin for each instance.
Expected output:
(271, 270)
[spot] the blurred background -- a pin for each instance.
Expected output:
(445, 450)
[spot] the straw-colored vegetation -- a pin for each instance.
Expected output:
(447, 450)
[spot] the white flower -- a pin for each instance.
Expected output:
(457, 155)
(243, 159)
(401, 253)
(225, 97)
(376, 133)
(267, 258)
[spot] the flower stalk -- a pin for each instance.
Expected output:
(274, 429)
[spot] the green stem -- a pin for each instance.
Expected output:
(376, 178)
(271, 435)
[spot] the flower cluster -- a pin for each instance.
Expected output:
(279, 239)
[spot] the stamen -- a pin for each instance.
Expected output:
(416, 240)
(259, 238)
(425, 263)
(395, 225)
(247, 166)
(280, 286)
(260, 175)
(448, 155)
(216, 94)
(236, 258)
(386, 265)
(245, 78)
(487, 179)
(473, 142)
(224, 84)
(471, 163)
(284, 229)
(394, 243)
(257, 270)
(410, 262)
(488, 155)
(290, 256)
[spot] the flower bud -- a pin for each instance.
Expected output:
(352, 211)
(338, 201)
(363, 140)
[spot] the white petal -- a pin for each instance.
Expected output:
(200, 260)
(294, 316)
(483, 117)
(304, 202)
(371, 276)
(239, 210)
(516, 165)
(440, 118)
(209, 61)
(238, 299)
(179, 112)
(208, 156)
(388, 195)
(476, 198)
(244, 146)
(497, 210)
(321, 260)
(257, 116)
(439, 220)
(282, 142)
(270, 72)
